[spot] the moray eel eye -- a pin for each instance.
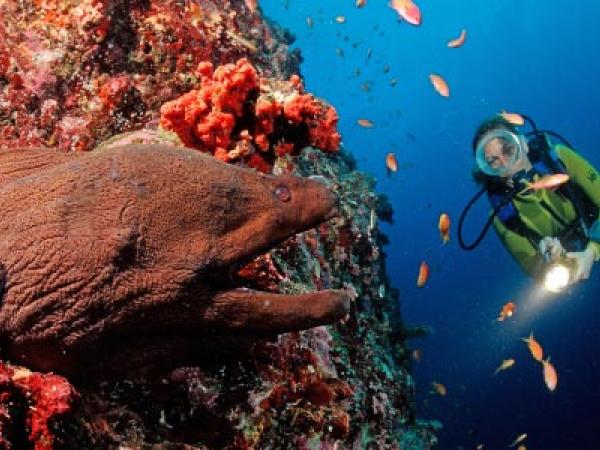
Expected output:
(283, 193)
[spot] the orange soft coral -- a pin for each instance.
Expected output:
(233, 104)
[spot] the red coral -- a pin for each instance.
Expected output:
(233, 103)
(321, 121)
(205, 118)
(40, 398)
(319, 393)
(340, 425)
(113, 90)
(262, 273)
(113, 64)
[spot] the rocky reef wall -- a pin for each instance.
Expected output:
(215, 76)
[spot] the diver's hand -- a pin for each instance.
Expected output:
(551, 248)
(585, 262)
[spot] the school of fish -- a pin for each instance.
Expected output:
(409, 12)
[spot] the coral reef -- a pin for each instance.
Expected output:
(95, 74)
(74, 73)
(30, 404)
(237, 115)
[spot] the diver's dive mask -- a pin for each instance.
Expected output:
(498, 151)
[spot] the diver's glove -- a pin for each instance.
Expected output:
(551, 248)
(584, 263)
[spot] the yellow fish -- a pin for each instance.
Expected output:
(459, 41)
(439, 388)
(444, 227)
(513, 118)
(440, 85)
(550, 375)
(545, 182)
(519, 439)
(506, 364)
(534, 347)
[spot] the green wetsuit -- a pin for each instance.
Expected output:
(546, 212)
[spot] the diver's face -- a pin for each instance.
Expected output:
(504, 155)
(499, 154)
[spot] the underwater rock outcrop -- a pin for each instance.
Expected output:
(74, 76)
(73, 73)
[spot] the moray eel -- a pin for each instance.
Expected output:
(119, 259)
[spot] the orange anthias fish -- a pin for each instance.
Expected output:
(508, 309)
(365, 123)
(423, 274)
(440, 85)
(407, 10)
(521, 447)
(459, 41)
(360, 3)
(506, 364)
(545, 182)
(444, 227)
(391, 163)
(439, 389)
(520, 438)
(513, 118)
(534, 347)
(550, 375)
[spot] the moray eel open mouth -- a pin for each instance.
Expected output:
(108, 258)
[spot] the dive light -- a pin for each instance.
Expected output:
(557, 278)
(559, 273)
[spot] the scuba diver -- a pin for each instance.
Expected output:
(553, 234)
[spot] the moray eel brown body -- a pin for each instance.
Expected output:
(119, 259)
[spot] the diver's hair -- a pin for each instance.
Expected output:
(493, 123)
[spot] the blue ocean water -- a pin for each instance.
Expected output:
(538, 58)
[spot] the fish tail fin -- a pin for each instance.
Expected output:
(528, 338)
(445, 238)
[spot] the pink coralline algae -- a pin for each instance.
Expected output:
(39, 400)
(237, 115)
(74, 73)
